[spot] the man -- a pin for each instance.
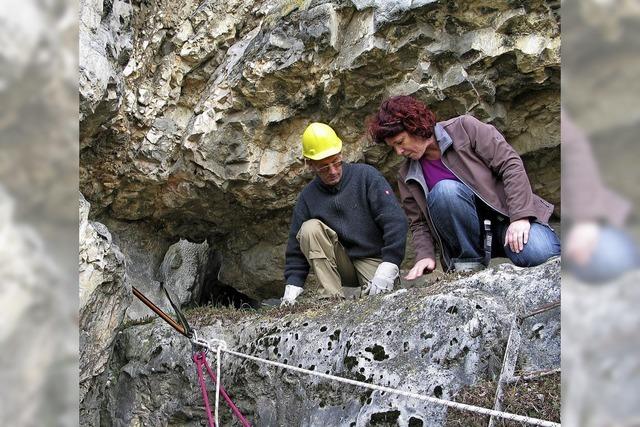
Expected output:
(347, 225)
(459, 173)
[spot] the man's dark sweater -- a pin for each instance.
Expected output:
(362, 209)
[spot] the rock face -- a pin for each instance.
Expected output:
(150, 259)
(431, 341)
(106, 300)
(104, 297)
(105, 47)
(191, 113)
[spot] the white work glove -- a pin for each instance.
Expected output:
(290, 294)
(384, 279)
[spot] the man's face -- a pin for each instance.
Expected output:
(408, 145)
(329, 169)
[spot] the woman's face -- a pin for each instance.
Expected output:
(409, 145)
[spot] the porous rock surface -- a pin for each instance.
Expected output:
(430, 341)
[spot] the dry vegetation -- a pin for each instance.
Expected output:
(537, 398)
(206, 315)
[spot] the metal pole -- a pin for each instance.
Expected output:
(159, 312)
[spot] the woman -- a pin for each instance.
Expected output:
(457, 174)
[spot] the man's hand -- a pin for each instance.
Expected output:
(428, 264)
(290, 294)
(384, 279)
(517, 235)
(581, 241)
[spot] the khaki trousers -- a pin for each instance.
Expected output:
(337, 274)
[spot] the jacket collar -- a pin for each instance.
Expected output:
(415, 172)
(415, 168)
(443, 138)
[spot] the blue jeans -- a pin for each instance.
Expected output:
(458, 215)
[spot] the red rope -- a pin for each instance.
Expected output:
(200, 359)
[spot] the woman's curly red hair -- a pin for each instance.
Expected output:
(400, 113)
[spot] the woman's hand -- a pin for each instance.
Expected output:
(517, 235)
(419, 268)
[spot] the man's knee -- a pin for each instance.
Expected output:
(316, 239)
(309, 228)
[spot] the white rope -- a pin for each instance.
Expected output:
(221, 346)
(218, 380)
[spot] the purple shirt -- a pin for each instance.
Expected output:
(435, 171)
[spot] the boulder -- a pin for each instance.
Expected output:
(183, 271)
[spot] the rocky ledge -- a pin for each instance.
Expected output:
(430, 340)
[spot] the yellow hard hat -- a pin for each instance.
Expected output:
(319, 141)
